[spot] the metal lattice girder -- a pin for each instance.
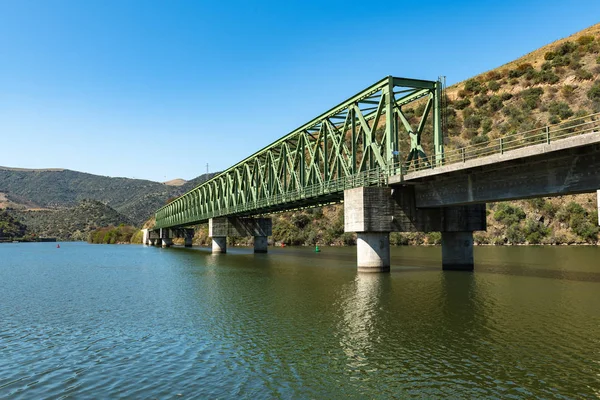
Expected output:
(356, 143)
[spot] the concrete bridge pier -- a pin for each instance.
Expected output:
(219, 244)
(598, 202)
(457, 251)
(374, 212)
(373, 251)
(165, 237)
(260, 244)
(367, 211)
(221, 227)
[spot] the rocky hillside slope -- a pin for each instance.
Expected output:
(73, 223)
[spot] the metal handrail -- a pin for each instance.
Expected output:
(544, 135)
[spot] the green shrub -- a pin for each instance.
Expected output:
(546, 76)
(566, 48)
(553, 119)
(549, 55)
(506, 96)
(560, 109)
(479, 139)
(472, 121)
(486, 125)
(561, 61)
(538, 203)
(584, 74)
(585, 40)
(549, 209)
(462, 104)
(594, 93)
(474, 86)
(495, 103)
(508, 214)
(531, 97)
(598, 60)
(535, 231)
(434, 237)
(514, 234)
(493, 86)
(568, 91)
(481, 100)
(580, 224)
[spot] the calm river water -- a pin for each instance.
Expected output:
(106, 321)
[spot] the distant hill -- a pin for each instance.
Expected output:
(73, 223)
(136, 199)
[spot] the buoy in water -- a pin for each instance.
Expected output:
(317, 250)
(58, 246)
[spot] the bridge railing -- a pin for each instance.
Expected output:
(544, 135)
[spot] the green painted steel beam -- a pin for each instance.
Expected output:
(315, 163)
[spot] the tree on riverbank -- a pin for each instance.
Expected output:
(10, 228)
(121, 234)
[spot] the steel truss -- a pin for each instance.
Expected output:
(354, 144)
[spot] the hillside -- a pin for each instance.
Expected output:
(54, 189)
(73, 223)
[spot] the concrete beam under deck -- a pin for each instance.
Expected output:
(543, 171)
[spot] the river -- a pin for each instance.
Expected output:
(107, 321)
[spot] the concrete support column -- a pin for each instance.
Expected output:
(188, 241)
(167, 242)
(219, 244)
(368, 212)
(598, 202)
(373, 251)
(145, 237)
(151, 242)
(457, 251)
(260, 244)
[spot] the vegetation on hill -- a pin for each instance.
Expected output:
(550, 85)
(10, 227)
(73, 223)
(122, 234)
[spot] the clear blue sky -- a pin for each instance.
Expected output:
(157, 89)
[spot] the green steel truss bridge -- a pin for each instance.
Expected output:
(354, 144)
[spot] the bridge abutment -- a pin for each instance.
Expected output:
(374, 212)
